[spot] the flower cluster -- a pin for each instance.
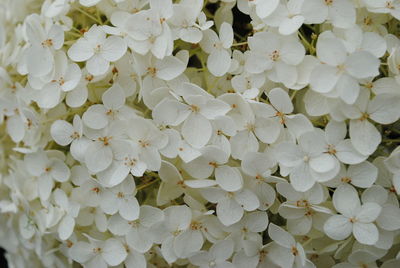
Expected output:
(200, 133)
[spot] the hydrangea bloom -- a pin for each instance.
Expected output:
(193, 133)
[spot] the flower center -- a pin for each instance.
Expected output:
(294, 251)
(143, 143)
(97, 250)
(331, 149)
(47, 43)
(275, 55)
(105, 140)
(345, 179)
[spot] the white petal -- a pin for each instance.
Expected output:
(369, 212)
(247, 200)
(229, 211)
(298, 124)
(331, 51)
(323, 163)
(200, 183)
(80, 51)
(226, 35)
(114, 97)
(140, 239)
(49, 96)
(323, 78)
(389, 219)
(382, 108)
(41, 60)
(113, 175)
(291, 25)
(365, 233)
(346, 200)
(228, 178)
(81, 252)
(129, 209)
(136, 260)
(170, 68)
(301, 178)
(98, 157)
(362, 64)
(187, 243)
(170, 112)
(242, 143)
(362, 175)
(265, 8)
(314, 11)
(267, 130)
(218, 62)
(95, 117)
(338, 227)
(197, 130)
(280, 100)
(15, 128)
(77, 97)
(59, 170)
(97, 65)
(347, 154)
(62, 131)
(66, 227)
(280, 236)
(113, 48)
(113, 252)
(342, 14)
(364, 136)
(178, 217)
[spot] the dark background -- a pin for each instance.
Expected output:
(3, 263)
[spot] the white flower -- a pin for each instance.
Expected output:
(172, 184)
(363, 134)
(276, 54)
(340, 13)
(39, 57)
(126, 160)
(71, 210)
(355, 218)
(100, 115)
(308, 161)
(149, 31)
(382, 6)
(362, 175)
(297, 124)
(214, 160)
(98, 50)
(231, 205)
(339, 73)
(177, 220)
(287, 17)
(139, 233)
(99, 153)
(285, 251)
(184, 20)
(148, 140)
(217, 256)
(121, 198)
(64, 134)
(245, 233)
(219, 60)
(98, 253)
(195, 115)
(48, 170)
(303, 210)
(263, 8)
